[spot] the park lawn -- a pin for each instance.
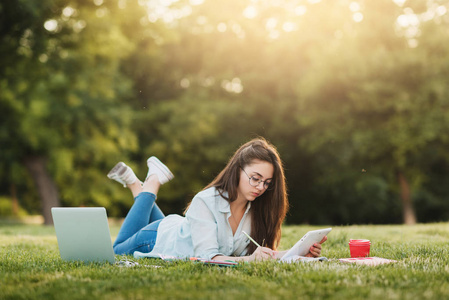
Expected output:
(30, 268)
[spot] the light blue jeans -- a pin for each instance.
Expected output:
(139, 230)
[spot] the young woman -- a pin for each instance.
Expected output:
(248, 195)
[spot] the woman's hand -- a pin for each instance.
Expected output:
(263, 253)
(315, 250)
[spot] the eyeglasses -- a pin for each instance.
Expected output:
(254, 181)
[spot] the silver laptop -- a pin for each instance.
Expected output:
(83, 234)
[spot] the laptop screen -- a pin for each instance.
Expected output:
(83, 234)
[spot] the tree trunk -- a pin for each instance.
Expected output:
(408, 212)
(15, 202)
(46, 187)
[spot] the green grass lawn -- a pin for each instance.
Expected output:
(30, 268)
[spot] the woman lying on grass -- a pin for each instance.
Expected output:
(248, 195)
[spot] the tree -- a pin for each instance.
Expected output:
(60, 90)
(380, 104)
(353, 94)
(298, 70)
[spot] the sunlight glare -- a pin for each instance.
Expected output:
(441, 10)
(236, 28)
(121, 4)
(201, 20)
(412, 43)
(274, 34)
(402, 20)
(408, 20)
(168, 17)
(250, 12)
(186, 10)
(271, 23)
(427, 16)
(233, 86)
(399, 2)
(408, 25)
(43, 58)
(68, 11)
(152, 17)
(98, 2)
(51, 25)
(412, 31)
(300, 10)
(354, 6)
(162, 9)
(63, 54)
(208, 28)
(196, 2)
(237, 86)
(101, 12)
(185, 83)
(413, 20)
(177, 13)
(208, 81)
(79, 25)
(144, 21)
(288, 26)
(222, 27)
(338, 34)
(357, 17)
(166, 3)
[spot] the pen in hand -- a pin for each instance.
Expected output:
(257, 244)
(251, 239)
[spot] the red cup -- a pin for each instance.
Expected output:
(359, 248)
(351, 241)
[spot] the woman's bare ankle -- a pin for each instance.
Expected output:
(151, 185)
(136, 188)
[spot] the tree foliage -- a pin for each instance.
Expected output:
(353, 93)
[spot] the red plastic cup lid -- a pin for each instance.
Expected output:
(352, 241)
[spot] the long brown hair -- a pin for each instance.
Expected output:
(268, 210)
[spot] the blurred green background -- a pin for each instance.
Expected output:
(355, 95)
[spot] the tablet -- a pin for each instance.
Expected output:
(302, 247)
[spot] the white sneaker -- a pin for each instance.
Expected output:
(155, 166)
(123, 174)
